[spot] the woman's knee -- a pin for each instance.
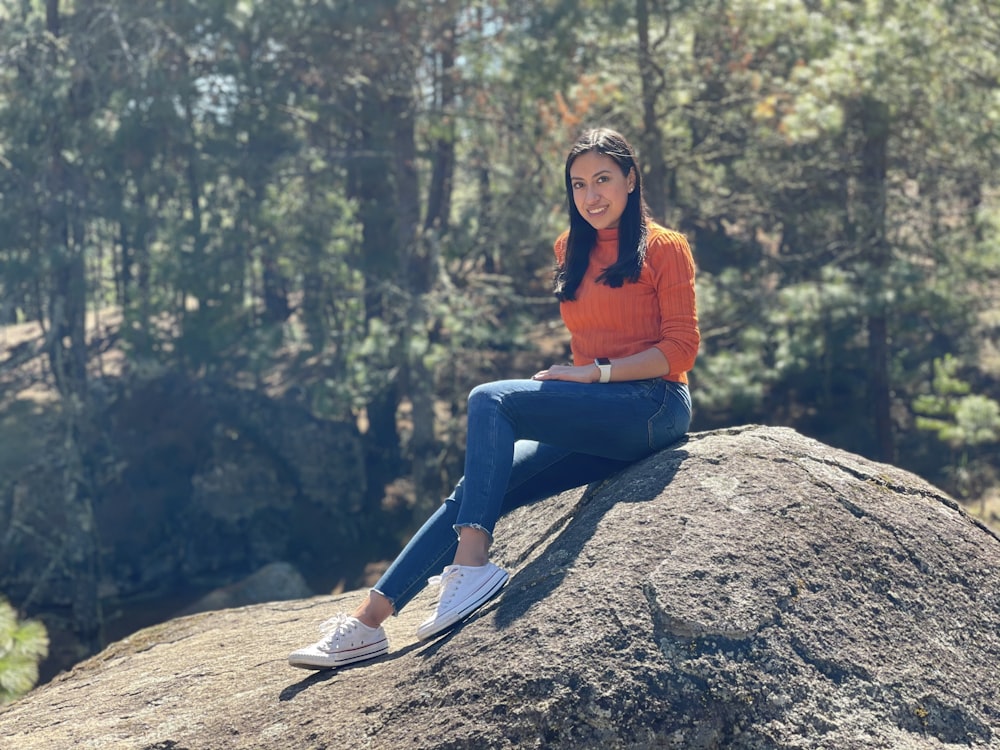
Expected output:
(486, 396)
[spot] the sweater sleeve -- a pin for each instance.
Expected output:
(670, 260)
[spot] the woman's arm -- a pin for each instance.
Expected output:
(651, 363)
(672, 268)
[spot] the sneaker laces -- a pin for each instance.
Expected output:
(448, 581)
(338, 625)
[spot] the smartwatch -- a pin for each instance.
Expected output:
(604, 365)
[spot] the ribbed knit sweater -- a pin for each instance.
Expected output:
(658, 310)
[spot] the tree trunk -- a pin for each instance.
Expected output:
(443, 168)
(371, 187)
(52, 17)
(875, 253)
(140, 275)
(67, 346)
(655, 181)
(67, 350)
(421, 266)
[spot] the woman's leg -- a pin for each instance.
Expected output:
(608, 437)
(593, 431)
(537, 471)
(617, 421)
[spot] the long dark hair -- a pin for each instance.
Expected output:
(632, 229)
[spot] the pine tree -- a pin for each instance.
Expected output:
(23, 644)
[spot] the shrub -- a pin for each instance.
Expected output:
(23, 644)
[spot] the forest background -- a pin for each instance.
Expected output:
(349, 206)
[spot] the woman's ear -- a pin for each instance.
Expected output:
(631, 179)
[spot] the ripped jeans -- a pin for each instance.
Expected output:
(527, 440)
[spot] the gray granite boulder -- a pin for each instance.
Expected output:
(749, 588)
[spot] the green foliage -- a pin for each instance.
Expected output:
(368, 188)
(732, 378)
(23, 644)
(969, 423)
(958, 417)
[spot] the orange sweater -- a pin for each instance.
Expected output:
(658, 310)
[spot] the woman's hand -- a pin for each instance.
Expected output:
(650, 363)
(581, 374)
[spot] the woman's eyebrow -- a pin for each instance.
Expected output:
(598, 172)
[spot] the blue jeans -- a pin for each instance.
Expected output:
(527, 440)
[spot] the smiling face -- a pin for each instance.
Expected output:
(600, 190)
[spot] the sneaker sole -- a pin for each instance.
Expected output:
(319, 661)
(490, 589)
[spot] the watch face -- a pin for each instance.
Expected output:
(603, 362)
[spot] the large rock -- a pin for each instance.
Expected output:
(749, 588)
(194, 484)
(275, 582)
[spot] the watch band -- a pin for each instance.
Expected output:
(604, 365)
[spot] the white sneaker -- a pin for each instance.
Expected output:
(345, 640)
(464, 589)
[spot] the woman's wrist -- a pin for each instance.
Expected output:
(603, 365)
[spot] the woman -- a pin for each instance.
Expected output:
(626, 291)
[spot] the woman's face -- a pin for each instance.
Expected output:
(600, 190)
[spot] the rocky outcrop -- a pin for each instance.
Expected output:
(274, 582)
(748, 588)
(194, 484)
